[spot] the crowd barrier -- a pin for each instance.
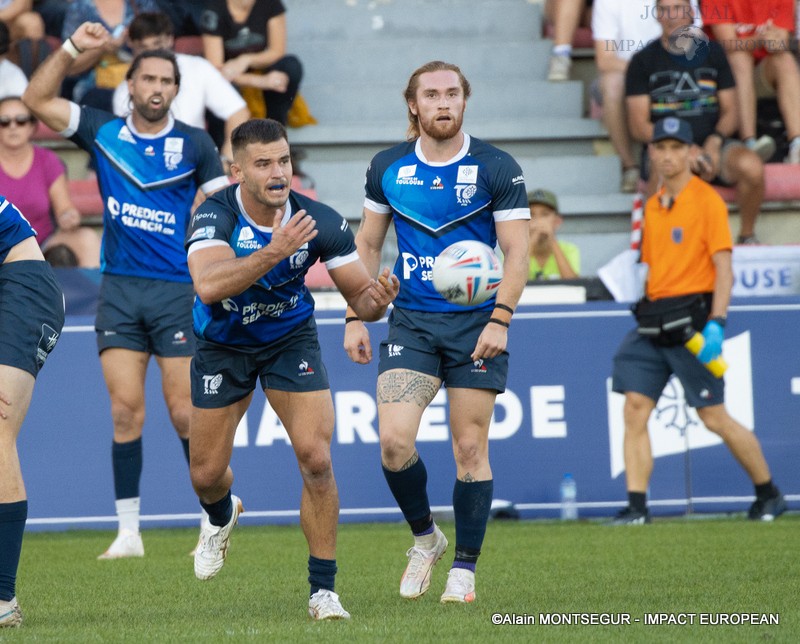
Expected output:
(557, 416)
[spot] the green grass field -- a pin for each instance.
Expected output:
(719, 565)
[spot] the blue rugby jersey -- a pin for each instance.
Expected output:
(148, 183)
(437, 204)
(13, 227)
(279, 301)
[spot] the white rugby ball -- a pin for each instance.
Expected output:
(467, 273)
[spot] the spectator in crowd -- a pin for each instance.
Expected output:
(620, 28)
(202, 85)
(52, 13)
(666, 79)
(12, 79)
(185, 15)
(549, 257)
(431, 341)
(690, 277)
(565, 16)
(35, 180)
(287, 233)
(757, 38)
(101, 70)
(247, 38)
(31, 317)
(149, 169)
(27, 33)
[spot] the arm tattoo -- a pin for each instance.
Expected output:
(468, 478)
(402, 385)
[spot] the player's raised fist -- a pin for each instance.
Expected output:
(90, 35)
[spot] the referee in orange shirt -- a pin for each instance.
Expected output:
(687, 246)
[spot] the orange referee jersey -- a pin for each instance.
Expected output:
(678, 242)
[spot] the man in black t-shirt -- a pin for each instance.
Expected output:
(682, 74)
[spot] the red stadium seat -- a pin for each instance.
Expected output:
(44, 133)
(318, 277)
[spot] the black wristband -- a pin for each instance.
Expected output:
(719, 320)
(499, 321)
(78, 49)
(503, 307)
(352, 318)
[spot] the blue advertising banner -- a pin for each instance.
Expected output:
(557, 416)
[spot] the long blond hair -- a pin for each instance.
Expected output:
(410, 93)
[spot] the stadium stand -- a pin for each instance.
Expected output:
(357, 56)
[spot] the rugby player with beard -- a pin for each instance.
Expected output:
(440, 187)
(149, 169)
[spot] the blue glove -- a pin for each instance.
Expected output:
(713, 334)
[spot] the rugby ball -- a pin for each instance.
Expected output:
(467, 273)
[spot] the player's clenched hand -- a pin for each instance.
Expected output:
(91, 35)
(356, 342)
(492, 342)
(299, 230)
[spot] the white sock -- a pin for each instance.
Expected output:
(562, 50)
(128, 514)
(426, 541)
(794, 142)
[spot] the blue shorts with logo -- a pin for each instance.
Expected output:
(31, 314)
(644, 367)
(153, 316)
(224, 374)
(440, 345)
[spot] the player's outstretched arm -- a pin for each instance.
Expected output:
(41, 95)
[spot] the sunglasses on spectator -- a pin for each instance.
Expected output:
(19, 119)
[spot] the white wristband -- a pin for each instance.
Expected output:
(69, 47)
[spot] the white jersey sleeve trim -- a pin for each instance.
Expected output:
(510, 215)
(336, 262)
(215, 184)
(374, 206)
(205, 243)
(74, 120)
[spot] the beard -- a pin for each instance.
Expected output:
(442, 130)
(150, 113)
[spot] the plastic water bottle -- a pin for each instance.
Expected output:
(569, 498)
(695, 343)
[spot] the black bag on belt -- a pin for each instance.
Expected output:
(669, 320)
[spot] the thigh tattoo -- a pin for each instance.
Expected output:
(406, 386)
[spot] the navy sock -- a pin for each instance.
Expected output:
(409, 488)
(638, 501)
(12, 527)
(472, 503)
(219, 512)
(185, 445)
(766, 490)
(126, 459)
(321, 574)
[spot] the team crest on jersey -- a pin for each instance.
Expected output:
(467, 174)
(298, 260)
(172, 159)
(677, 234)
(464, 194)
(149, 151)
(437, 184)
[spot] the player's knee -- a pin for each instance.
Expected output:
(315, 465)
(750, 168)
(395, 451)
(127, 418)
(469, 453)
(205, 476)
(181, 417)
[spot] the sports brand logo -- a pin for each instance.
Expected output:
(305, 369)
(179, 338)
(478, 366)
(437, 184)
(47, 342)
(211, 384)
